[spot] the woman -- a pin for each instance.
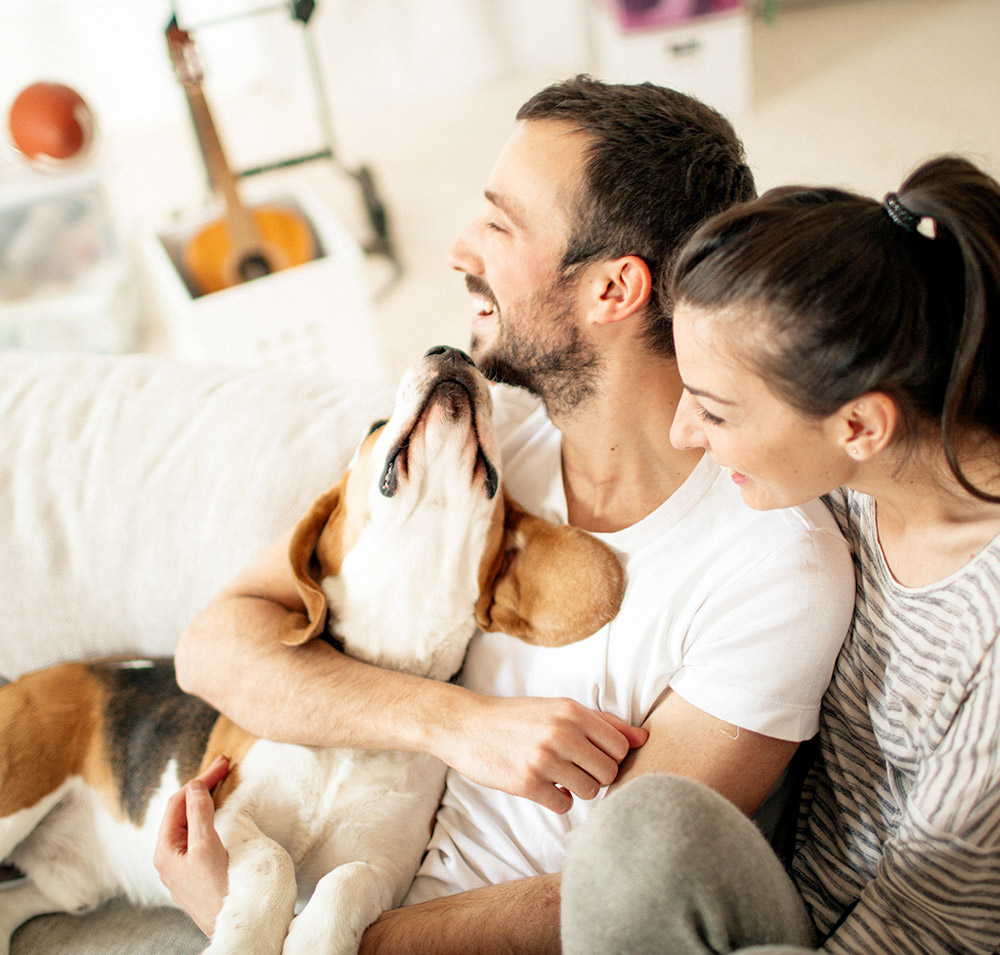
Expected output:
(828, 341)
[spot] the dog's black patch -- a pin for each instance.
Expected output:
(148, 721)
(492, 478)
(389, 482)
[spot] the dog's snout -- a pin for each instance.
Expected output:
(449, 354)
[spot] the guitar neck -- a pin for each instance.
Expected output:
(238, 217)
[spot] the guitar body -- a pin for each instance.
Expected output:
(213, 260)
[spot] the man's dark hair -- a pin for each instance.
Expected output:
(658, 163)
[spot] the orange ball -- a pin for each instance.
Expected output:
(50, 122)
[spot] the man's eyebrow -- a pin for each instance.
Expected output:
(507, 206)
(698, 393)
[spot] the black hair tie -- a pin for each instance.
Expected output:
(905, 219)
(899, 213)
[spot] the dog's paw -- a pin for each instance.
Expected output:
(305, 939)
(316, 933)
(345, 902)
(247, 937)
(243, 945)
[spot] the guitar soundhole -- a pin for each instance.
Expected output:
(253, 267)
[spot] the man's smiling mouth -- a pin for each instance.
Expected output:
(482, 297)
(484, 307)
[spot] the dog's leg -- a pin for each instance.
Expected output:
(16, 827)
(258, 908)
(346, 901)
(60, 856)
(18, 903)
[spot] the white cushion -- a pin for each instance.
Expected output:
(132, 488)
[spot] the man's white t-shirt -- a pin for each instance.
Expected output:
(740, 612)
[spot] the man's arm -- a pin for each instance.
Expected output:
(742, 765)
(520, 916)
(523, 916)
(313, 695)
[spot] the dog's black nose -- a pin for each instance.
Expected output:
(452, 354)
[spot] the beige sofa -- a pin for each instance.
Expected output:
(131, 489)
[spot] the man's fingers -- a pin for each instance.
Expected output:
(617, 737)
(595, 763)
(634, 735)
(586, 783)
(555, 798)
(592, 760)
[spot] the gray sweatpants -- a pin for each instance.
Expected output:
(665, 866)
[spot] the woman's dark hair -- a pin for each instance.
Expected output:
(658, 163)
(857, 298)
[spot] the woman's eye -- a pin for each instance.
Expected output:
(493, 227)
(707, 415)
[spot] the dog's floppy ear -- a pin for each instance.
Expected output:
(315, 553)
(551, 584)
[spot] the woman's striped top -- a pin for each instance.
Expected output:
(899, 843)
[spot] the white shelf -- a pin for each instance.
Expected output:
(708, 57)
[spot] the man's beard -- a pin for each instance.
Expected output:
(560, 367)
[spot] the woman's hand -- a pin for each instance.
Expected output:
(190, 857)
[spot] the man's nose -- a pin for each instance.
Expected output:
(462, 255)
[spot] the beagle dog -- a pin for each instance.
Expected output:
(397, 564)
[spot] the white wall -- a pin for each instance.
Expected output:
(113, 51)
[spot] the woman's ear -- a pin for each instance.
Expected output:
(621, 288)
(870, 424)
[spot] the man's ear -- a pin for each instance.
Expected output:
(621, 287)
(554, 585)
(868, 425)
(315, 553)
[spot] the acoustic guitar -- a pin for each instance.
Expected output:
(245, 243)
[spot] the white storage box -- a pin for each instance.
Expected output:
(316, 315)
(707, 57)
(64, 286)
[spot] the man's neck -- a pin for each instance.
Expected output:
(618, 462)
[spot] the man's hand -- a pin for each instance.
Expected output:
(190, 857)
(547, 750)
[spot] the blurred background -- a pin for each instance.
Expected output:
(404, 105)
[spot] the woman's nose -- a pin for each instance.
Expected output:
(685, 432)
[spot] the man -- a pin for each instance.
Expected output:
(732, 618)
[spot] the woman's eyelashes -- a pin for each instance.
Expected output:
(707, 415)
